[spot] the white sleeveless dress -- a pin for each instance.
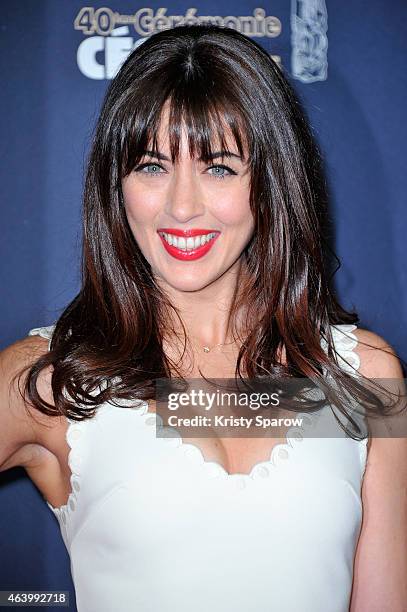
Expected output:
(151, 526)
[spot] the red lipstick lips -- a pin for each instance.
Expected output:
(191, 254)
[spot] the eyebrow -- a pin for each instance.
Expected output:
(159, 155)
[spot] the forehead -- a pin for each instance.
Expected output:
(218, 134)
(187, 125)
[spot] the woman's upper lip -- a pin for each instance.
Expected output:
(186, 233)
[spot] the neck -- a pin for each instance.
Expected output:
(208, 314)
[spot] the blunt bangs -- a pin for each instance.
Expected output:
(212, 123)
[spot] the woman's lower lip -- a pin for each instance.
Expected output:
(188, 255)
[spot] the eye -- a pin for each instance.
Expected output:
(141, 167)
(222, 175)
(218, 175)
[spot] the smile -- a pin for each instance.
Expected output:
(187, 244)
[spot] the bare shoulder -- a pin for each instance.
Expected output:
(378, 359)
(21, 424)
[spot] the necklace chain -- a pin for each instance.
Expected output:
(207, 349)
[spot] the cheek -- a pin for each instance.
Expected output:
(140, 208)
(235, 210)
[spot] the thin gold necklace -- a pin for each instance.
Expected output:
(207, 349)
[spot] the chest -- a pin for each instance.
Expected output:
(236, 448)
(238, 452)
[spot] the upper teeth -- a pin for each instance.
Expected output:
(187, 244)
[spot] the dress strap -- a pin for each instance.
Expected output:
(345, 342)
(44, 332)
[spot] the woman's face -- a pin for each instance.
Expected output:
(172, 207)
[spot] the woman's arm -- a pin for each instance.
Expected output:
(380, 570)
(18, 430)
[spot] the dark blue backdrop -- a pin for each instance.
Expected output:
(353, 82)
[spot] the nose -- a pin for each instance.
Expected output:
(185, 199)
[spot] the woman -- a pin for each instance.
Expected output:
(203, 257)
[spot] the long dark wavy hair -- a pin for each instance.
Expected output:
(112, 330)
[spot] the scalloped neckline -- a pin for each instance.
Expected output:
(213, 469)
(279, 452)
(347, 341)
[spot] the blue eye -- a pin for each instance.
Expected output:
(216, 175)
(148, 165)
(222, 176)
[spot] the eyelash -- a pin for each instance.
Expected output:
(219, 177)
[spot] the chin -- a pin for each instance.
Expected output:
(184, 283)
